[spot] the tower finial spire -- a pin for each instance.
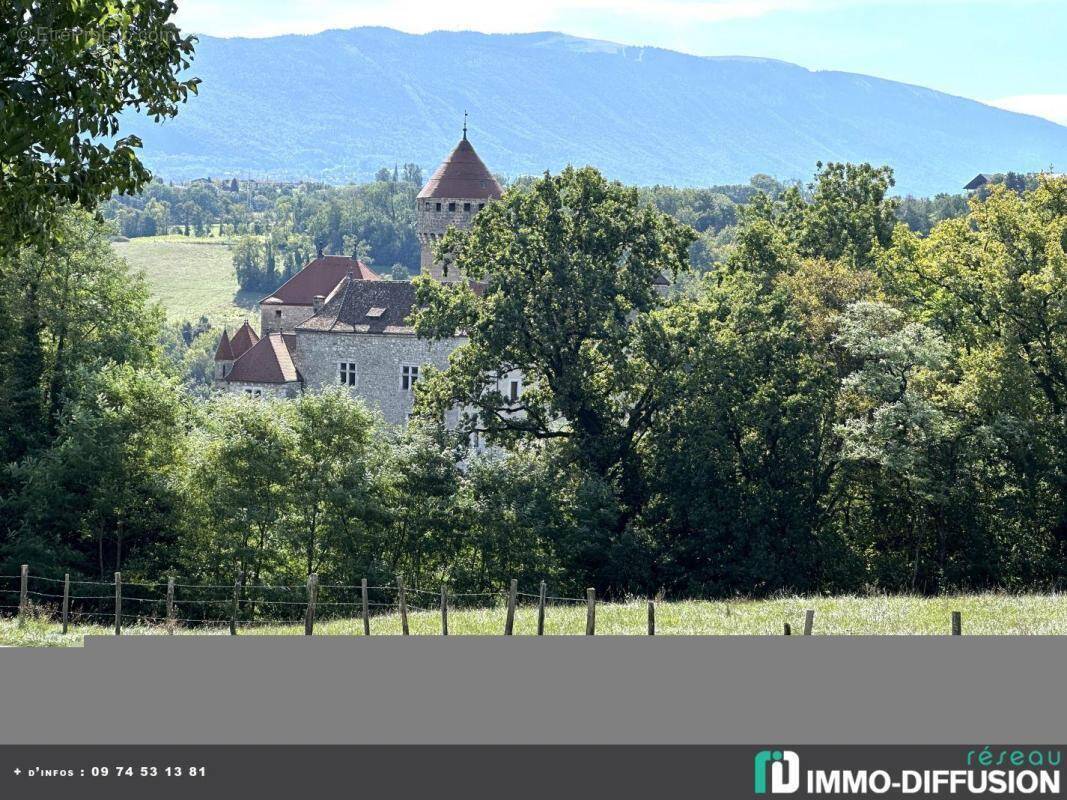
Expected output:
(464, 124)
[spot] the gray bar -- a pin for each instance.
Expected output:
(537, 690)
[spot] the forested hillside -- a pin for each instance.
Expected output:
(338, 105)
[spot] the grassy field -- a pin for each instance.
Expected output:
(983, 614)
(190, 276)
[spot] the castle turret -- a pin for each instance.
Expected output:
(223, 357)
(460, 187)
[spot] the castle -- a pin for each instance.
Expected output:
(336, 322)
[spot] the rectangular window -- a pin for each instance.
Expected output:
(347, 373)
(467, 207)
(513, 391)
(277, 312)
(438, 207)
(253, 392)
(409, 374)
(481, 206)
(451, 206)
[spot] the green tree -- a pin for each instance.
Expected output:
(895, 433)
(332, 489)
(107, 493)
(239, 489)
(571, 267)
(77, 308)
(67, 71)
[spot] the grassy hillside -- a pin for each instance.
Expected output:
(343, 103)
(983, 614)
(190, 276)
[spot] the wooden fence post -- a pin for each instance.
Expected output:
(651, 617)
(313, 591)
(118, 603)
(66, 601)
(236, 603)
(809, 621)
(403, 603)
(366, 607)
(170, 606)
(590, 612)
(444, 610)
(541, 610)
(509, 622)
(788, 631)
(24, 588)
(957, 623)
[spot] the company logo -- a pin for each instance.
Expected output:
(784, 768)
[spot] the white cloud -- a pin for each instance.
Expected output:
(1050, 106)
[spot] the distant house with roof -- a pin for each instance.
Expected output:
(337, 323)
(980, 180)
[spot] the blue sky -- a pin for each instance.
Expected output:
(1011, 53)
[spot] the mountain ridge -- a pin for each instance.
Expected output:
(339, 104)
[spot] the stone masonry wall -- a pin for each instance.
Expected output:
(271, 322)
(431, 225)
(282, 391)
(378, 359)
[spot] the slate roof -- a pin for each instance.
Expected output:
(270, 360)
(243, 340)
(361, 306)
(462, 175)
(320, 276)
(981, 179)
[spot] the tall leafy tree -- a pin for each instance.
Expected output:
(77, 308)
(67, 71)
(570, 268)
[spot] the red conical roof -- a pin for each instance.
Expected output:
(462, 175)
(223, 352)
(243, 340)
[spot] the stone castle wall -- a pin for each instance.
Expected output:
(282, 391)
(436, 215)
(270, 321)
(378, 360)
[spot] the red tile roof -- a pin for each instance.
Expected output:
(224, 352)
(462, 175)
(269, 361)
(243, 341)
(320, 276)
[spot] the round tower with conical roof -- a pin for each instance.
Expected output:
(458, 190)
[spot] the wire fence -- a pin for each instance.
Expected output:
(243, 604)
(249, 603)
